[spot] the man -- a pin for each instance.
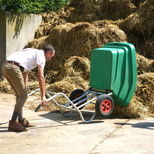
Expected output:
(16, 70)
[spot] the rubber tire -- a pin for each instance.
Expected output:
(75, 94)
(104, 98)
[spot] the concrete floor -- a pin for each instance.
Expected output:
(55, 134)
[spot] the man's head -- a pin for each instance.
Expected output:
(49, 52)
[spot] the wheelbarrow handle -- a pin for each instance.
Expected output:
(39, 106)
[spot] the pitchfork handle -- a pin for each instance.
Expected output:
(39, 106)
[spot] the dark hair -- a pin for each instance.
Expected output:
(49, 48)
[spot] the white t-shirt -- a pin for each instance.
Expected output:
(29, 58)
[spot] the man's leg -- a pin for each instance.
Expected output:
(20, 117)
(14, 77)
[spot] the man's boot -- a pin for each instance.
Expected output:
(25, 123)
(15, 126)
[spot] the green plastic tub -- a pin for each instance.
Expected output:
(113, 67)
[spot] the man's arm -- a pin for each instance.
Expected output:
(25, 76)
(42, 84)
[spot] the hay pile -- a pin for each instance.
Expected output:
(145, 89)
(68, 36)
(5, 87)
(48, 22)
(144, 65)
(68, 84)
(91, 10)
(142, 20)
(78, 39)
(77, 67)
(135, 109)
(135, 18)
(149, 48)
(139, 27)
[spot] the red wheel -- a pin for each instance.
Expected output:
(104, 105)
(75, 94)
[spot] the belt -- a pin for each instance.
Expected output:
(17, 64)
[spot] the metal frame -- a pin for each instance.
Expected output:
(91, 96)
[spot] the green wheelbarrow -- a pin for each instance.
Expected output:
(113, 76)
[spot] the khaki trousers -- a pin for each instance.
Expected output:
(15, 79)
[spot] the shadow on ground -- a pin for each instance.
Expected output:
(74, 116)
(143, 125)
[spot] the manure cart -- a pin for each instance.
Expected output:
(113, 77)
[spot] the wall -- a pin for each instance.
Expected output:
(15, 32)
(2, 40)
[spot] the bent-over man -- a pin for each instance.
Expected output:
(16, 70)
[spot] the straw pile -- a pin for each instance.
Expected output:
(144, 65)
(135, 109)
(145, 89)
(141, 21)
(37, 43)
(91, 10)
(5, 87)
(68, 84)
(149, 48)
(77, 67)
(140, 27)
(48, 22)
(78, 39)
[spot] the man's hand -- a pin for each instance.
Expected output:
(44, 102)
